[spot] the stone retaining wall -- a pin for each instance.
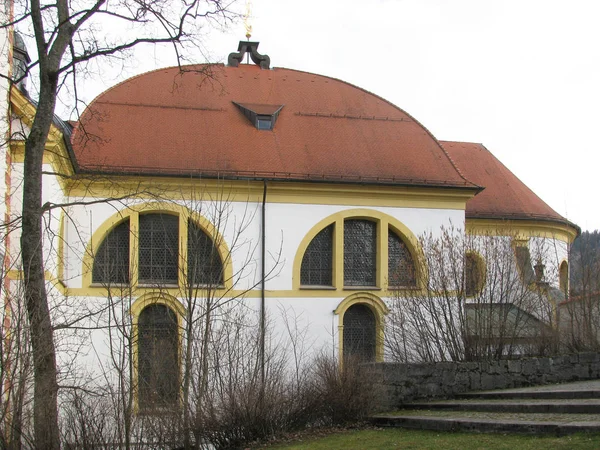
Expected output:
(402, 383)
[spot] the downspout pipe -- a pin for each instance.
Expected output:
(262, 287)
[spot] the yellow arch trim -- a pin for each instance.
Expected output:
(132, 213)
(384, 221)
(379, 309)
(153, 298)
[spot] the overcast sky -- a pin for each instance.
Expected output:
(520, 76)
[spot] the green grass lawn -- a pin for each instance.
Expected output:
(417, 439)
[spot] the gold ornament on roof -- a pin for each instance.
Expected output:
(247, 16)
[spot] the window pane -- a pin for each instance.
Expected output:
(401, 268)
(317, 264)
(204, 261)
(159, 236)
(360, 253)
(158, 360)
(111, 264)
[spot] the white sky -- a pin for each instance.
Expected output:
(520, 76)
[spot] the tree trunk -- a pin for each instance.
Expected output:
(42, 341)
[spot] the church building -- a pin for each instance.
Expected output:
(262, 191)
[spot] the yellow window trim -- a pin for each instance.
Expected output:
(379, 309)
(153, 298)
(384, 222)
(132, 213)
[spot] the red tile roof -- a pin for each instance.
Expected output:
(186, 123)
(504, 196)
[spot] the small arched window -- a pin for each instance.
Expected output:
(203, 259)
(158, 357)
(474, 274)
(158, 248)
(111, 264)
(564, 278)
(401, 267)
(360, 252)
(317, 263)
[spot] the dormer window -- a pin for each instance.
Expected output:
(263, 117)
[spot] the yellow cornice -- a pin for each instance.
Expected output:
(521, 229)
(278, 192)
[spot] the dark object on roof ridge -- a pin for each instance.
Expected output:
(234, 59)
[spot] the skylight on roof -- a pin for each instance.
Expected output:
(263, 117)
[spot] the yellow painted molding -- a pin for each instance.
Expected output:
(379, 309)
(279, 192)
(56, 152)
(521, 229)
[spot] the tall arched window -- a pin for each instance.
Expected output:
(401, 268)
(360, 252)
(158, 357)
(564, 278)
(203, 258)
(317, 263)
(111, 263)
(158, 247)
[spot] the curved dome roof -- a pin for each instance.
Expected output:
(183, 123)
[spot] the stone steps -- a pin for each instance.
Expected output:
(558, 409)
(566, 407)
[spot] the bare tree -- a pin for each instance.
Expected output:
(481, 297)
(67, 36)
(580, 312)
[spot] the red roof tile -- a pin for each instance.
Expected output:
(504, 196)
(172, 123)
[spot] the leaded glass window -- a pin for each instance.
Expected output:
(360, 252)
(158, 357)
(111, 264)
(401, 268)
(317, 263)
(204, 262)
(159, 237)
(360, 333)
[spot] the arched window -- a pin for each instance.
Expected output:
(474, 274)
(158, 357)
(317, 263)
(203, 259)
(360, 252)
(158, 247)
(360, 333)
(111, 264)
(564, 278)
(349, 251)
(401, 268)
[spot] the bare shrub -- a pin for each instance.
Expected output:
(504, 305)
